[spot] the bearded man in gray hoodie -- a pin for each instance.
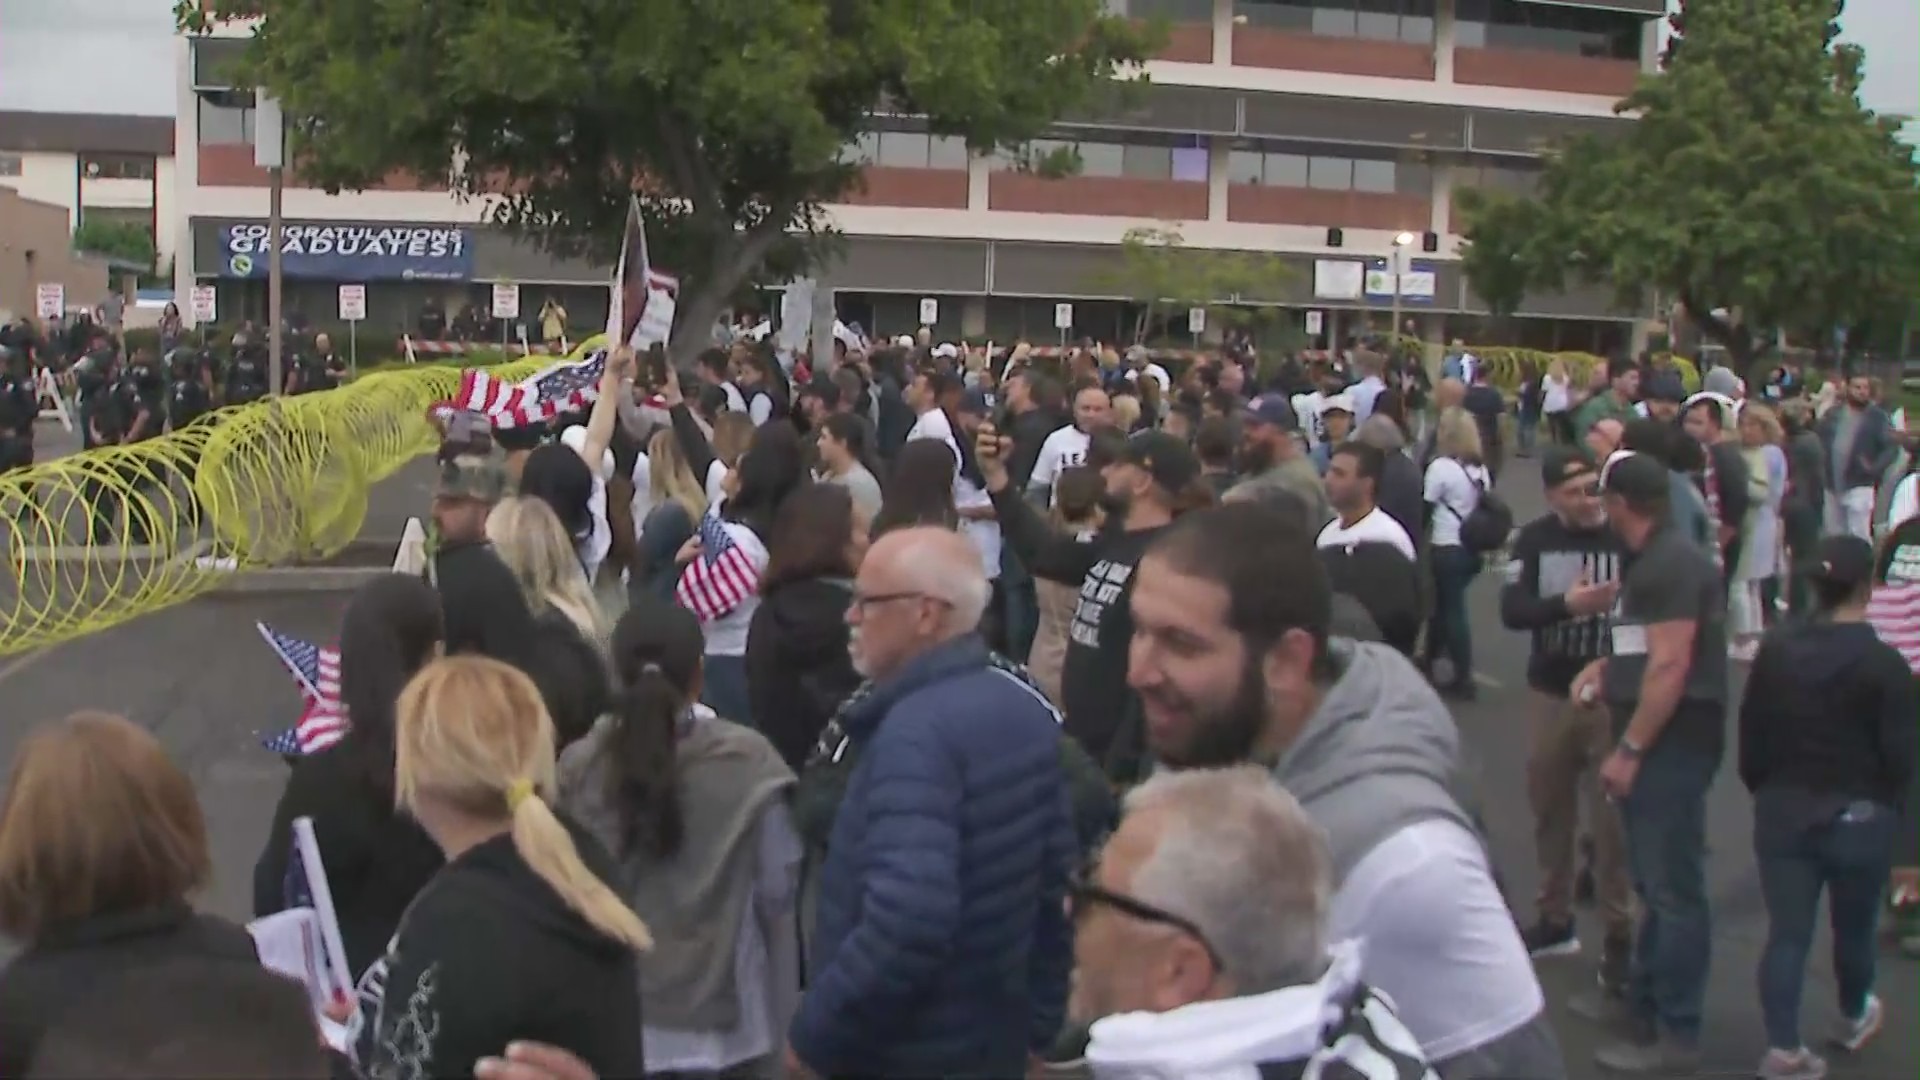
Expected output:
(1233, 662)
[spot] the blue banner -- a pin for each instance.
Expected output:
(350, 252)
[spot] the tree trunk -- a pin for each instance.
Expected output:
(734, 260)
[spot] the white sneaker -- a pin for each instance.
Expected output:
(1854, 1033)
(1801, 1064)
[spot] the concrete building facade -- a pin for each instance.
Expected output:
(117, 167)
(1317, 129)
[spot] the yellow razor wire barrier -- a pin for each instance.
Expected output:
(104, 536)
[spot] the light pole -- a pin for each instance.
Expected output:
(1397, 266)
(269, 152)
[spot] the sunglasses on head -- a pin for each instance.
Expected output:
(1083, 894)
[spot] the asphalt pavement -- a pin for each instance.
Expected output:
(199, 676)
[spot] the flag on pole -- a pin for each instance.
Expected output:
(641, 306)
(567, 386)
(316, 671)
(721, 578)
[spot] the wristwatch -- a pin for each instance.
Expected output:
(1629, 748)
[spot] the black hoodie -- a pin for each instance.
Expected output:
(1829, 709)
(490, 954)
(798, 669)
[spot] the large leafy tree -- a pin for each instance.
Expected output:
(1752, 184)
(728, 118)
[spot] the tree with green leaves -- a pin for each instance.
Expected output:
(730, 119)
(123, 240)
(1159, 272)
(1753, 188)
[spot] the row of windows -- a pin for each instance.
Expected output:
(1329, 173)
(117, 167)
(908, 150)
(1134, 160)
(1510, 24)
(1496, 178)
(1376, 20)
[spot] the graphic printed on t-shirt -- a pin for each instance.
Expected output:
(1102, 586)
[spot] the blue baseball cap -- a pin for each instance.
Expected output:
(1273, 409)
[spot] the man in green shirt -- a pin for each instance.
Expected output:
(1613, 403)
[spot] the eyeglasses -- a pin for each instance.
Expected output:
(1083, 893)
(862, 603)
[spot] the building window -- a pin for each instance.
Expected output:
(907, 150)
(1496, 178)
(1329, 172)
(10, 165)
(116, 167)
(1374, 20)
(1511, 24)
(222, 125)
(1174, 11)
(1182, 157)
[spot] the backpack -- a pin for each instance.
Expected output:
(1487, 527)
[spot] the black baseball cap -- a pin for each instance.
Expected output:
(1666, 387)
(1559, 464)
(1846, 561)
(1635, 477)
(1167, 459)
(1272, 409)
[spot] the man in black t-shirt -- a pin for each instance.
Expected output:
(1666, 688)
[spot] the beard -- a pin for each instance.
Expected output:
(1224, 733)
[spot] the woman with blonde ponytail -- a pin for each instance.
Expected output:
(519, 937)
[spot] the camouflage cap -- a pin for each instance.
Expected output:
(481, 477)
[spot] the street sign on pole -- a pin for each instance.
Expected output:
(929, 311)
(203, 304)
(353, 308)
(353, 303)
(1196, 321)
(50, 300)
(1316, 323)
(506, 300)
(1063, 316)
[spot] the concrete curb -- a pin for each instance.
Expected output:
(298, 579)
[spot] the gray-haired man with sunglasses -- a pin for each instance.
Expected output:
(1201, 943)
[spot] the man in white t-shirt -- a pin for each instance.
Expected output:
(1233, 661)
(1066, 448)
(1140, 361)
(976, 509)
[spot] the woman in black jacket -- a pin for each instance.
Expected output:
(102, 841)
(376, 858)
(519, 936)
(1827, 746)
(798, 669)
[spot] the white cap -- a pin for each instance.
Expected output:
(946, 350)
(1338, 402)
(904, 341)
(575, 439)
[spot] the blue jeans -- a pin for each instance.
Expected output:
(1666, 825)
(1805, 844)
(724, 688)
(1454, 568)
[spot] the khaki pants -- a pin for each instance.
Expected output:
(1569, 743)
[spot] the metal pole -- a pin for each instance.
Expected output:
(275, 188)
(1393, 264)
(353, 347)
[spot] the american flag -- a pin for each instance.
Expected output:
(721, 578)
(564, 387)
(316, 670)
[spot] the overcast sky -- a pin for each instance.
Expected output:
(126, 46)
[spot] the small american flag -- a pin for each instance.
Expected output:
(316, 670)
(721, 578)
(564, 387)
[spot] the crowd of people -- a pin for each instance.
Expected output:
(972, 715)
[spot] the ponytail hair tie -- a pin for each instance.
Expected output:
(518, 792)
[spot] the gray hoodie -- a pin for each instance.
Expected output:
(1381, 753)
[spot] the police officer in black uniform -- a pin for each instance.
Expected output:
(93, 377)
(19, 408)
(140, 400)
(188, 398)
(247, 371)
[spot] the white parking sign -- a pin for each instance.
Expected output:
(50, 300)
(202, 304)
(506, 300)
(353, 303)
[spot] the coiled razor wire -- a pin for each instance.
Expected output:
(104, 536)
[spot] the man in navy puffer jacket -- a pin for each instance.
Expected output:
(941, 947)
